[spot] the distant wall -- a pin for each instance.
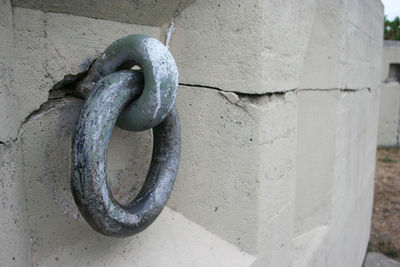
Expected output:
(389, 111)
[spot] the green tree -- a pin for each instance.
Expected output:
(392, 29)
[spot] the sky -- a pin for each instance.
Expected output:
(392, 8)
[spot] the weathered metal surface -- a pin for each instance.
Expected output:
(160, 73)
(89, 177)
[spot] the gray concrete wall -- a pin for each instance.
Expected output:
(278, 133)
(14, 235)
(389, 112)
(337, 127)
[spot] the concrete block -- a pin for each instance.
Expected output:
(363, 44)
(46, 142)
(52, 216)
(58, 45)
(247, 47)
(317, 116)
(337, 133)
(353, 177)
(389, 113)
(344, 50)
(239, 198)
(61, 237)
(237, 154)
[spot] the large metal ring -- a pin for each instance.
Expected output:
(89, 178)
(160, 73)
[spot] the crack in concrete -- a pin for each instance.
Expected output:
(11, 141)
(240, 94)
(45, 107)
(65, 89)
(335, 89)
(201, 86)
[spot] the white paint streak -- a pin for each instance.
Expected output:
(170, 30)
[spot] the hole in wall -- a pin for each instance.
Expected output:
(394, 73)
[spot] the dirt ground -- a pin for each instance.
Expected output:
(385, 229)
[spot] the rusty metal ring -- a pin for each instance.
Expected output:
(89, 177)
(160, 73)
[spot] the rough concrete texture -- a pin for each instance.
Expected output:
(236, 156)
(335, 197)
(171, 241)
(337, 124)
(247, 46)
(316, 152)
(273, 172)
(53, 220)
(307, 248)
(59, 236)
(8, 104)
(142, 12)
(344, 49)
(58, 45)
(389, 113)
(353, 179)
(13, 224)
(375, 259)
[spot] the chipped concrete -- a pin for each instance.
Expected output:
(57, 48)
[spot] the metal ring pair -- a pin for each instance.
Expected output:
(119, 95)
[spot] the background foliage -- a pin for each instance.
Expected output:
(392, 29)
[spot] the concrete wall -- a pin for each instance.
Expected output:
(389, 112)
(278, 133)
(337, 124)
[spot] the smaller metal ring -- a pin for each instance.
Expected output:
(89, 173)
(160, 74)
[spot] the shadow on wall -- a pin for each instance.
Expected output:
(52, 211)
